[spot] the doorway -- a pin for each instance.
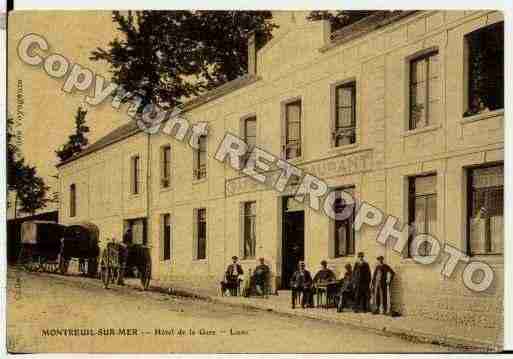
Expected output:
(293, 239)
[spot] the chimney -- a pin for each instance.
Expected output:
(252, 60)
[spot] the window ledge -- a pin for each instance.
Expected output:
(294, 160)
(420, 130)
(165, 189)
(488, 258)
(200, 261)
(343, 148)
(198, 181)
(482, 116)
(134, 195)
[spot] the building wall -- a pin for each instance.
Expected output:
(298, 64)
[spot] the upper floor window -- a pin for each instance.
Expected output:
(135, 171)
(292, 145)
(344, 236)
(249, 229)
(485, 210)
(165, 166)
(200, 160)
(72, 200)
(424, 90)
(249, 135)
(201, 233)
(422, 211)
(344, 132)
(485, 69)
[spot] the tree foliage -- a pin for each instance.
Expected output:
(341, 18)
(22, 179)
(168, 56)
(76, 141)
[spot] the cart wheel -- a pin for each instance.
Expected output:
(146, 277)
(105, 275)
(63, 265)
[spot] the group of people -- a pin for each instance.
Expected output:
(355, 289)
(357, 286)
(259, 279)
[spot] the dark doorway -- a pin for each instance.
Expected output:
(293, 241)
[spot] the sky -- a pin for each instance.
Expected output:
(43, 113)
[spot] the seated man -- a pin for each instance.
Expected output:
(233, 276)
(301, 284)
(324, 276)
(261, 277)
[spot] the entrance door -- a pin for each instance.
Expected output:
(293, 245)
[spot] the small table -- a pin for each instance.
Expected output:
(321, 290)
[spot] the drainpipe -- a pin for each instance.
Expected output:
(148, 189)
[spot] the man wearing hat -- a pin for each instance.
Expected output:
(233, 276)
(261, 277)
(301, 284)
(362, 278)
(381, 280)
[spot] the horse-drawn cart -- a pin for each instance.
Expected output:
(118, 259)
(40, 245)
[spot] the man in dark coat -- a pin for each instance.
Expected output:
(301, 284)
(381, 280)
(127, 237)
(261, 277)
(233, 276)
(362, 278)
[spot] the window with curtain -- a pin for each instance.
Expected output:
(201, 233)
(136, 174)
(344, 233)
(425, 90)
(165, 166)
(485, 69)
(422, 211)
(345, 114)
(249, 133)
(200, 165)
(292, 130)
(486, 206)
(249, 229)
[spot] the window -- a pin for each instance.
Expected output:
(344, 233)
(249, 133)
(72, 200)
(201, 233)
(485, 210)
(422, 211)
(292, 146)
(166, 237)
(249, 229)
(200, 162)
(424, 90)
(165, 166)
(344, 132)
(485, 69)
(136, 175)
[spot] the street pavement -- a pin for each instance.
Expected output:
(53, 313)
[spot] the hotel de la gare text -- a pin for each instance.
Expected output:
(403, 109)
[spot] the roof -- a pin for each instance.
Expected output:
(129, 129)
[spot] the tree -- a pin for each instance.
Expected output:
(168, 56)
(22, 179)
(77, 141)
(341, 18)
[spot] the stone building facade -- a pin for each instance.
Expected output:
(387, 109)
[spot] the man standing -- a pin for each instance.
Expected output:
(362, 278)
(322, 280)
(381, 280)
(233, 273)
(301, 284)
(261, 277)
(127, 237)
